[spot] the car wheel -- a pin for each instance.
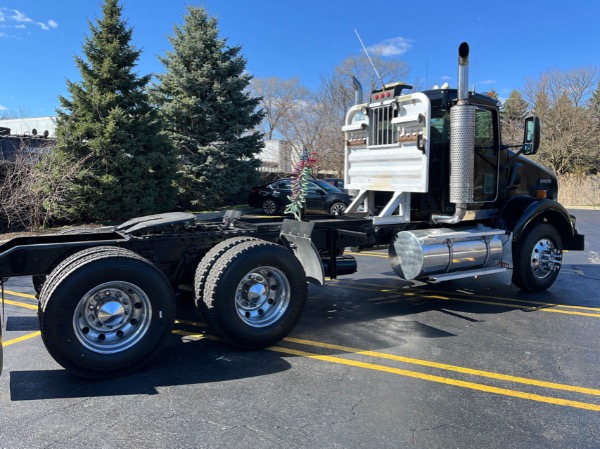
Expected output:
(269, 206)
(337, 208)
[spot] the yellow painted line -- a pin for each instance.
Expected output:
(373, 254)
(195, 335)
(23, 338)
(510, 303)
(429, 377)
(23, 295)
(526, 301)
(21, 304)
(439, 379)
(443, 366)
(567, 312)
(517, 306)
(428, 363)
(190, 323)
(400, 289)
(369, 254)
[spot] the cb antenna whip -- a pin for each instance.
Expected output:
(370, 60)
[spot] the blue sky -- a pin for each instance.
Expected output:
(510, 40)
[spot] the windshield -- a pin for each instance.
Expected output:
(326, 186)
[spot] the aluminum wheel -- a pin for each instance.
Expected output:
(337, 208)
(269, 207)
(112, 317)
(262, 296)
(545, 258)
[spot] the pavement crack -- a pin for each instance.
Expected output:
(414, 431)
(560, 356)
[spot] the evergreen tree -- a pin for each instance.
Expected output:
(594, 105)
(493, 94)
(109, 124)
(515, 107)
(513, 113)
(208, 113)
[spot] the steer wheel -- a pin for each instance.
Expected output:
(537, 258)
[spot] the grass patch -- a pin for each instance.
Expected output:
(579, 190)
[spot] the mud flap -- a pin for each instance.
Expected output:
(296, 236)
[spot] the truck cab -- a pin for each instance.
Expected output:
(432, 164)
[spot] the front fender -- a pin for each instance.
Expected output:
(519, 212)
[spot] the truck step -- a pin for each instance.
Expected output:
(465, 274)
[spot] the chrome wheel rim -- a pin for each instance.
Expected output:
(112, 317)
(269, 207)
(545, 258)
(338, 208)
(262, 296)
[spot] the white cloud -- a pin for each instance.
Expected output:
(446, 78)
(19, 20)
(3, 108)
(18, 16)
(488, 82)
(392, 47)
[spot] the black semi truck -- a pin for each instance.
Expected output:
(436, 187)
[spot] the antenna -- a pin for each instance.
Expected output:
(370, 60)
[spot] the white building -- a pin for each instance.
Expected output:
(276, 157)
(37, 126)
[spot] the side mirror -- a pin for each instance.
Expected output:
(531, 137)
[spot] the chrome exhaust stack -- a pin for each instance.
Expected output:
(462, 143)
(358, 91)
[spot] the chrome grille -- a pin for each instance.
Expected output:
(383, 132)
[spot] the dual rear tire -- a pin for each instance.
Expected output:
(251, 292)
(105, 312)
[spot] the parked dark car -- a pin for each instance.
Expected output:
(337, 182)
(321, 197)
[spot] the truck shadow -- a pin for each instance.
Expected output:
(366, 313)
(180, 363)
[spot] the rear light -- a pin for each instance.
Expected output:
(541, 194)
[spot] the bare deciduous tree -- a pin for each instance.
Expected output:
(24, 205)
(315, 122)
(569, 134)
(279, 98)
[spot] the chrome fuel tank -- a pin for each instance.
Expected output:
(426, 252)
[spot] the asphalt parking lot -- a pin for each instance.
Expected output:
(375, 362)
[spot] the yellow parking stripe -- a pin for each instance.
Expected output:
(442, 380)
(368, 253)
(22, 338)
(191, 323)
(21, 304)
(509, 302)
(23, 295)
(459, 369)
(407, 373)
